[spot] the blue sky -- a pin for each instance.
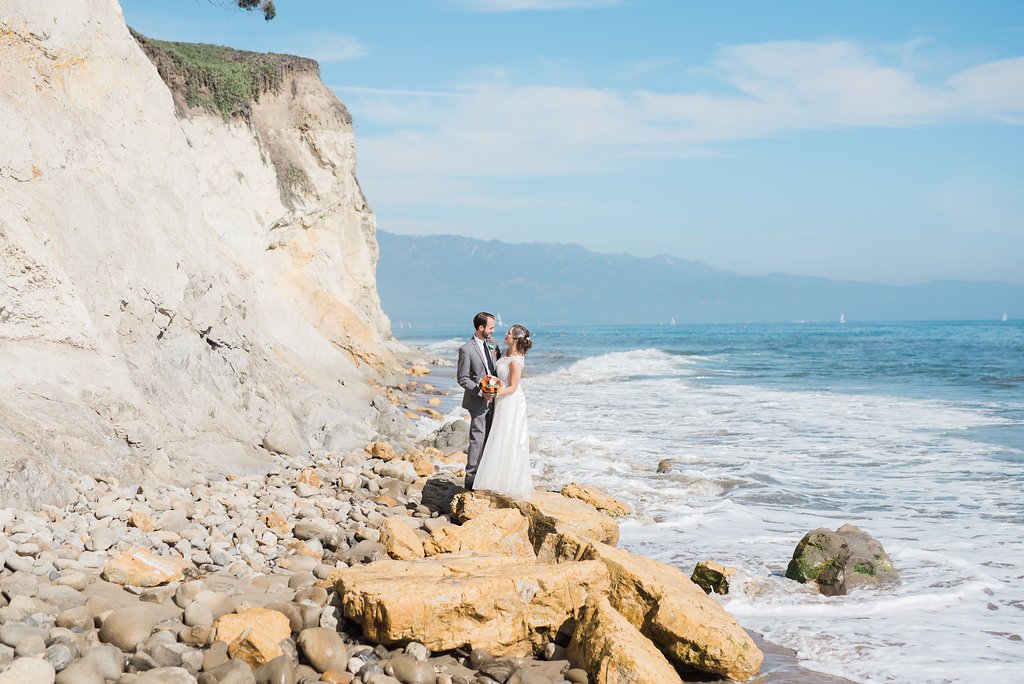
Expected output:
(878, 141)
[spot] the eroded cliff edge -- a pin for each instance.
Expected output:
(179, 292)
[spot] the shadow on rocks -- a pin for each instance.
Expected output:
(438, 493)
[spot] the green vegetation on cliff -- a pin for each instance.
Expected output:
(218, 78)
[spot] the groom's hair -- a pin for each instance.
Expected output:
(481, 319)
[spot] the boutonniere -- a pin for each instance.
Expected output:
(491, 345)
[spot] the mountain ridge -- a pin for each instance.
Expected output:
(423, 280)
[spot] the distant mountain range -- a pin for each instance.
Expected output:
(445, 279)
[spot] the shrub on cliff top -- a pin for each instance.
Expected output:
(217, 78)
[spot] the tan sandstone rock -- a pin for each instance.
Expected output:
(423, 466)
(400, 540)
(301, 548)
(381, 450)
(560, 527)
(455, 457)
(470, 504)
(503, 532)
(310, 477)
(141, 568)
(276, 521)
(501, 604)
(602, 501)
(689, 627)
(143, 521)
(254, 635)
(613, 651)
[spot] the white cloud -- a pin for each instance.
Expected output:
(328, 47)
(833, 83)
(494, 128)
(643, 67)
(391, 91)
(531, 5)
(995, 89)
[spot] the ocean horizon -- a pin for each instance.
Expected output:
(912, 431)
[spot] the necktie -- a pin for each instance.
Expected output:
(490, 364)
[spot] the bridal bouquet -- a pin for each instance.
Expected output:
(490, 384)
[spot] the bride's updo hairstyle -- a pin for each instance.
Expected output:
(521, 340)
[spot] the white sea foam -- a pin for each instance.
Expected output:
(756, 468)
(437, 349)
(637, 364)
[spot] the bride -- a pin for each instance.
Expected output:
(505, 462)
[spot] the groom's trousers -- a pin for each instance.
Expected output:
(479, 427)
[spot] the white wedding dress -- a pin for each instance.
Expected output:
(505, 462)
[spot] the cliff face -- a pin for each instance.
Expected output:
(178, 293)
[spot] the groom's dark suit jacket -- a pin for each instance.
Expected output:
(470, 369)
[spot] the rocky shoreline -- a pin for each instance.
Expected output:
(372, 566)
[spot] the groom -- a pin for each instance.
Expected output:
(477, 358)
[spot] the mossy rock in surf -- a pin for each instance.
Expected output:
(840, 561)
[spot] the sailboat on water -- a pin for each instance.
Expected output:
(498, 322)
(1004, 318)
(673, 321)
(842, 318)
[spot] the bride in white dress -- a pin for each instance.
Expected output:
(505, 462)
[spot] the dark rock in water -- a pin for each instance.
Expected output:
(712, 577)
(840, 561)
(665, 465)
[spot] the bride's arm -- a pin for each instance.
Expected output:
(514, 373)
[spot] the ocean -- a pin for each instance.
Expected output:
(912, 431)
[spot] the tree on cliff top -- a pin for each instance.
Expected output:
(267, 6)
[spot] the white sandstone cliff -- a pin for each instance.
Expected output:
(177, 294)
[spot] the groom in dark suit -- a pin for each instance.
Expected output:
(477, 358)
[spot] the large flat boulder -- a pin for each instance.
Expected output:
(613, 651)
(505, 605)
(602, 501)
(560, 527)
(502, 532)
(689, 627)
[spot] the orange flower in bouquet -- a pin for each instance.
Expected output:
(490, 384)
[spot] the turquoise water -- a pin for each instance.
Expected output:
(914, 432)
